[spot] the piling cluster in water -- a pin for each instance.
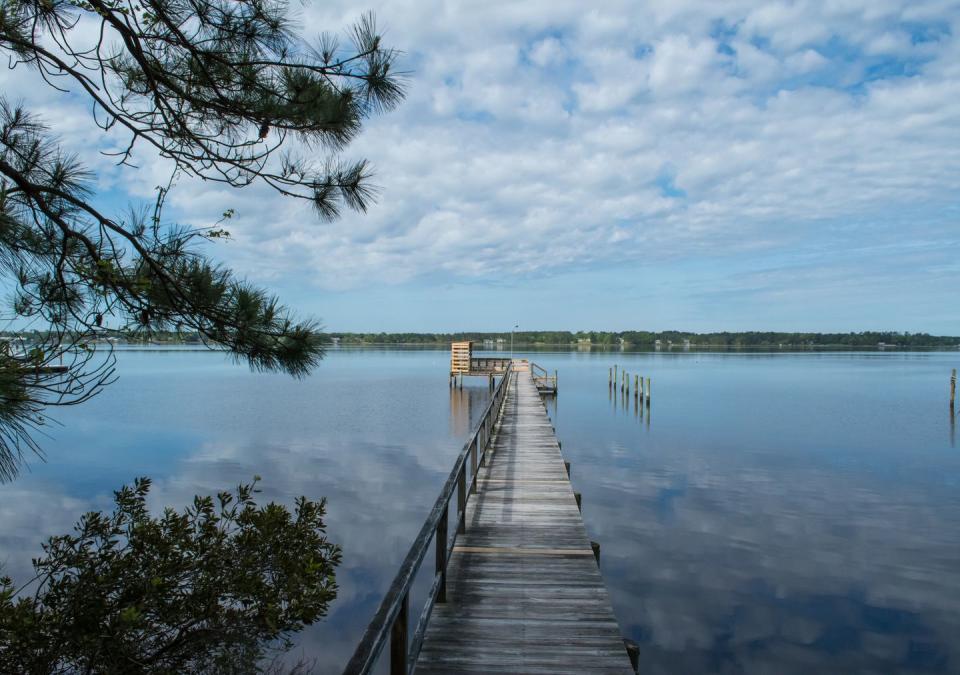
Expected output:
(619, 379)
(640, 393)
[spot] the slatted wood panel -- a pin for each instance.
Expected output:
(460, 354)
(491, 365)
(524, 593)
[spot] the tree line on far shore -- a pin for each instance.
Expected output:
(567, 338)
(650, 338)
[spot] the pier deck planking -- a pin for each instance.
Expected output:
(524, 594)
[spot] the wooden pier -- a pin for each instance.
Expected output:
(464, 364)
(517, 587)
(524, 592)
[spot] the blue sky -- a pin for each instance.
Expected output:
(622, 165)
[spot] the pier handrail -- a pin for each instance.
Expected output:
(544, 379)
(497, 363)
(392, 617)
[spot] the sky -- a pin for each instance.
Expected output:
(668, 164)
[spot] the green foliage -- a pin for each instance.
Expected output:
(217, 87)
(213, 589)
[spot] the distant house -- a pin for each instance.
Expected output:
(335, 341)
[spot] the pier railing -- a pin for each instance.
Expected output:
(392, 619)
(543, 379)
(489, 364)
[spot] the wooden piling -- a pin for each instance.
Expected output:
(648, 392)
(567, 467)
(953, 387)
(596, 551)
(636, 386)
(579, 497)
(633, 653)
(610, 379)
(627, 383)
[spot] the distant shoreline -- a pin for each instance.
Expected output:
(662, 340)
(599, 341)
(675, 349)
(669, 348)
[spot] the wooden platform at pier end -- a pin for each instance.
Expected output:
(524, 594)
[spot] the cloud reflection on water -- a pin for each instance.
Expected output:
(782, 514)
(766, 554)
(380, 473)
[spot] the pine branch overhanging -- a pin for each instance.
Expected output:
(221, 88)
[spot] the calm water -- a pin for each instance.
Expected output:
(772, 513)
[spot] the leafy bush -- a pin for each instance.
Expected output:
(214, 589)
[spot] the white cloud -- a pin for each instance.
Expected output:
(534, 135)
(681, 65)
(548, 52)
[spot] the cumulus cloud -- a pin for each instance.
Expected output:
(534, 137)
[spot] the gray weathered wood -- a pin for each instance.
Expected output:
(524, 593)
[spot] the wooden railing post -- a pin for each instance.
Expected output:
(473, 456)
(482, 437)
(462, 500)
(398, 639)
(441, 542)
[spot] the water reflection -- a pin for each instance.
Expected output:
(466, 405)
(371, 432)
(787, 514)
(729, 570)
(762, 529)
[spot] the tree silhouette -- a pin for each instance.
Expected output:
(228, 92)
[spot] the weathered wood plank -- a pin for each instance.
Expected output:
(524, 594)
